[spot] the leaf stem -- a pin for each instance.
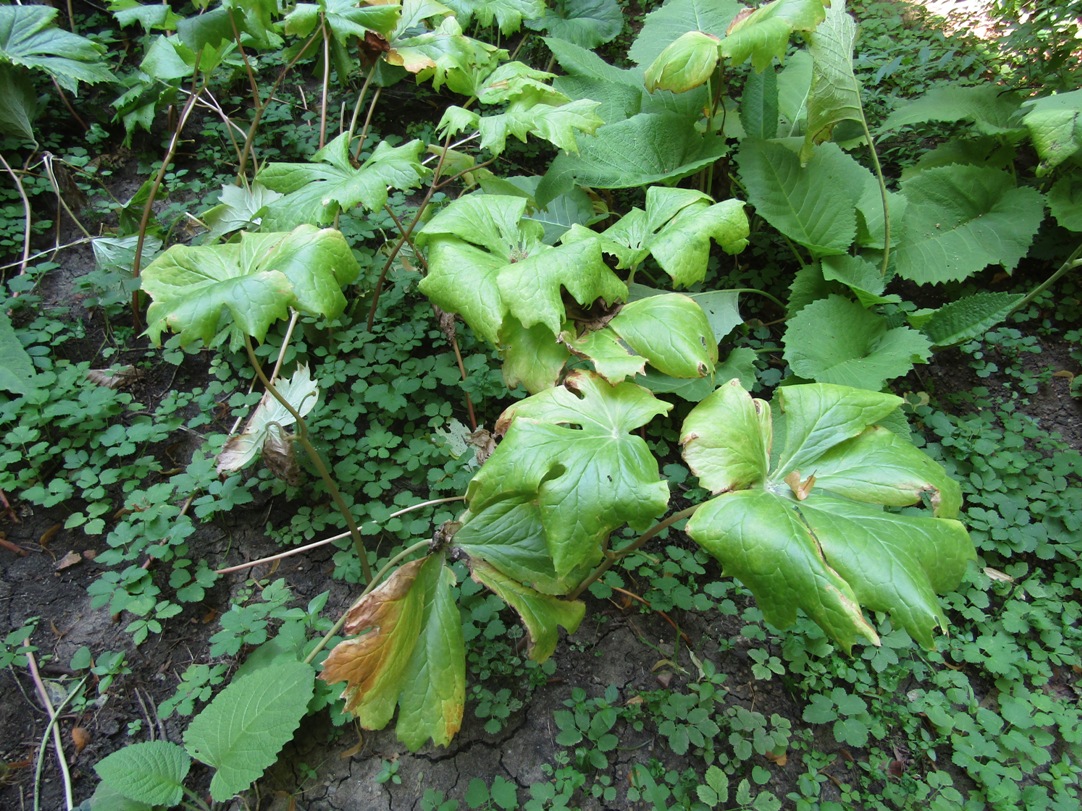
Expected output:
(635, 545)
(882, 192)
(317, 459)
(1073, 261)
(409, 550)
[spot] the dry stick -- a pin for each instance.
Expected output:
(47, 161)
(67, 103)
(317, 460)
(58, 741)
(260, 108)
(326, 83)
(325, 541)
(367, 121)
(39, 254)
(186, 111)
(311, 657)
(26, 216)
(361, 96)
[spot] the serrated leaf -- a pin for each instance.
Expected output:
(434, 682)
(586, 23)
(726, 439)
(582, 63)
(644, 149)
(269, 419)
(18, 104)
(254, 281)
(814, 205)
(540, 613)
(835, 340)
(559, 124)
(764, 34)
(990, 109)
(119, 252)
(16, 367)
(445, 55)
(106, 798)
(671, 331)
(759, 105)
(343, 18)
(151, 772)
(664, 25)
(508, 14)
(835, 92)
(1065, 202)
(960, 219)
(1055, 125)
(967, 318)
(315, 192)
(863, 278)
(30, 39)
(242, 730)
(571, 447)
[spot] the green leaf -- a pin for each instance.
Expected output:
(106, 798)
(764, 34)
(990, 109)
(586, 23)
(967, 318)
(343, 18)
(30, 39)
(571, 447)
(242, 730)
(761, 540)
(814, 205)
(18, 104)
(644, 149)
(1055, 125)
(540, 613)
(835, 340)
(444, 55)
(1065, 202)
(960, 219)
(585, 64)
(434, 682)
(508, 14)
(152, 17)
(726, 439)
(894, 563)
(16, 367)
(611, 357)
(835, 92)
(241, 209)
(665, 25)
(151, 772)
(532, 356)
(722, 311)
(510, 536)
(810, 534)
(685, 64)
(317, 191)
(759, 105)
(862, 277)
(255, 280)
(671, 331)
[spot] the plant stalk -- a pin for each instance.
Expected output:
(1073, 261)
(315, 457)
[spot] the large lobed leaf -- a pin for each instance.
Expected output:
(800, 518)
(764, 34)
(247, 285)
(571, 448)
(405, 649)
(835, 93)
(29, 39)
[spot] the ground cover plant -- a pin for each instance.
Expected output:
(613, 318)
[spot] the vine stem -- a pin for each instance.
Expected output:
(614, 557)
(58, 742)
(1073, 261)
(317, 459)
(409, 550)
(308, 547)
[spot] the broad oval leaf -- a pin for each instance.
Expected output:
(247, 285)
(1055, 125)
(665, 25)
(242, 730)
(726, 439)
(671, 331)
(585, 23)
(151, 772)
(685, 64)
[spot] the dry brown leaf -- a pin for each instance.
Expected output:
(49, 534)
(68, 561)
(80, 738)
(778, 760)
(114, 378)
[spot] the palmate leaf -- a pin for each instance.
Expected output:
(315, 192)
(960, 219)
(344, 18)
(29, 39)
(835, 340)
(676, 229)
(247, 285)
(671, 331)
(764, 34)
(540, 613)
(410, 654)
(445, 55)
(665, 25)
(571, 447)
(508, 14)
(242, 730)
(586, 23)
(806, 530)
